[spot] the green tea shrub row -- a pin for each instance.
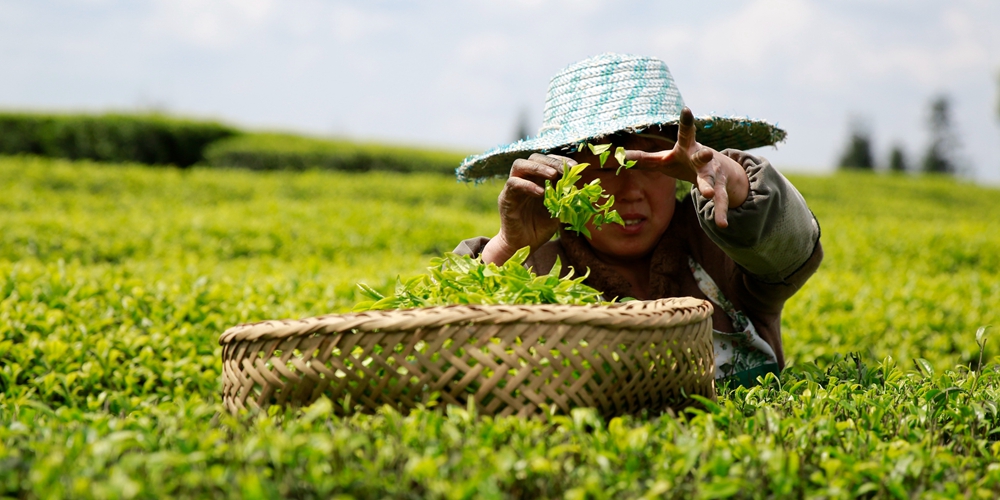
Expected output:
(291, 152)
(149, 139)
(116, 281)
(96, 259)
(849, 431)
(162, 140)
(73, 211)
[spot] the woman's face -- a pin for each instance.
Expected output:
(645, 200)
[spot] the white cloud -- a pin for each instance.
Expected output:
(811, 44)
(576, 6)
(485, 47)
(213, 24)
(351, 23)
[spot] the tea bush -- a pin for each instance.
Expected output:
(115, 283)
(911, 269)
(163, 140)
(150, 139)
(264, 151)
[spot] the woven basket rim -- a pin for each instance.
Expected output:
(634, 315)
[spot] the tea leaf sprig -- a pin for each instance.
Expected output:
(622, 163)
(459, 279)
(601, 151)
(576, 207)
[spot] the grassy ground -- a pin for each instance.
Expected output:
(115, 282)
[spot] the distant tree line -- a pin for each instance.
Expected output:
(940, 155)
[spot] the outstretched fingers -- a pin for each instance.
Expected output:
(645, 159)
(700, 163)
(721, 199)
(712, 182)
(703, 157)
(686, 130)
(677, 161)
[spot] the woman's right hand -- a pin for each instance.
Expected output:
(524, 220)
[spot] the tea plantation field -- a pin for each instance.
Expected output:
(116, 281)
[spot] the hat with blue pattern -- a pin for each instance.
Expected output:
(613, 93)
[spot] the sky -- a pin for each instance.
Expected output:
(459, 74)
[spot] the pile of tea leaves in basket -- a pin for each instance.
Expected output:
(460, 279)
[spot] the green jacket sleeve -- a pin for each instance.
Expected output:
(773, 233)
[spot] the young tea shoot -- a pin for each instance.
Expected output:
(459, 279)
(576, 207)
(622, 163)
(601, 151)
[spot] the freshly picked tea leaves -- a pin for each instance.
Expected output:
(576, 207)
(459, 279)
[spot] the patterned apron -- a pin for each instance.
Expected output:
(742, 356)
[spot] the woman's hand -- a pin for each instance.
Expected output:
(717, 176)
(524, 220)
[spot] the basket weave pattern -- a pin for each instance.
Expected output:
(511, 360)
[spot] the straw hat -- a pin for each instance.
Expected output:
(613, 93)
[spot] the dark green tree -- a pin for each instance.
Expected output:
(897, 159)
(858, 152)
(523, 130)
(943, 147)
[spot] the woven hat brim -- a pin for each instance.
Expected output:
(715, 132)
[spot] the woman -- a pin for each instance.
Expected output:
(745, 240)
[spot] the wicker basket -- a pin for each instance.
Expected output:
(522, 360)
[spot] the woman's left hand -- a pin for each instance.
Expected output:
(717, 176)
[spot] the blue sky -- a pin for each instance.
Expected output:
(458, 74)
